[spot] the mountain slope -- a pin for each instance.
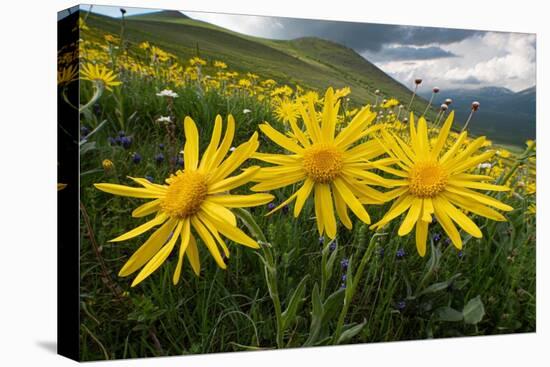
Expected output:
(309, 62)
(504, 116)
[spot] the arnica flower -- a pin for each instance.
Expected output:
(286, 110)
(434, 179)
(194, 201)
(101, 74)
(67, 75)
(330, 167)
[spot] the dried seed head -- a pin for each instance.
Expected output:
(417, 81)
(444, 107)
(448, 101)
(475, 105)
(435, 89)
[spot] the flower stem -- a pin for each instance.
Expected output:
(270, 268)
(351, 290)
(98, 91)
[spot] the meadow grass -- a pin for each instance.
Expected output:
(486, 288)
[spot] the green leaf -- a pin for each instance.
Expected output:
(316, 316)
(436, 287)
(474, 311)
(289, 314)
(348, 334)
(332, 305)
(448, 314)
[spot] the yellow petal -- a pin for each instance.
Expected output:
(397, 208)
(443, 134)
(213, 146)
(208, 241)
(411, 218)
(134, 192)
(474, 207)
(235, 181)
(342, 210)
(282, 181)
(230, 231)
(239, 155)
(148, 249)
(323, 191)
(191, 148)
(185, 236)
(478, 185)
(354, 204)
(159, 258)
(193, 255)
(241, 201)
(480, 198)
(146, 209)
(421, 237)
(221, 152)
(460, 218)
(301, 196)
(447, 224)
(280, 139)
(219, 211)
(161, 218)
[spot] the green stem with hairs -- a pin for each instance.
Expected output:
(270, 268)
(350, 292)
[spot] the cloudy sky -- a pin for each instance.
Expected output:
(448, 58)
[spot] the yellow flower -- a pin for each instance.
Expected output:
(144, 45)
(434, 179)
(99, 73)
(220, 64)
(531, 188)
(197, 61)
(334, 169)
(341, 93)
(67, 75)
(392, 102)
(195, 198)
(107, 164)
(286, 110)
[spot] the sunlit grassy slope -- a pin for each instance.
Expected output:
(309, 62)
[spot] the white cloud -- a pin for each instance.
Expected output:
(495, 59)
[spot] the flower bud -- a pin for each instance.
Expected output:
(444, 107)
(417, 81)
(448, 101)
(475, 105)
(435, 89)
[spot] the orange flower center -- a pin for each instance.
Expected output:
(427, 179)
(185, 194)
(323, 162)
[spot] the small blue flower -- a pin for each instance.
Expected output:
(343, 286)
(161, 146)
(400, 253)
(270, 206)
(447, 241)
(321, 240)
(159, 158)
(179, 161)
(126, 142)
(84, 131)
(333, 245)
(344, 278)
(149, 178)
(344, 263)
(381, 252)
(111, 140)
(121, 134)
(460, 254)
(401, 305)
(285, 209)
(437, 237)
(136, 158)
(118, 140)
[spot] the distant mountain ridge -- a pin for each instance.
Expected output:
(504, 116)
(317, 63)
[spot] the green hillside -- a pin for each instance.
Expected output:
(309, 62)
